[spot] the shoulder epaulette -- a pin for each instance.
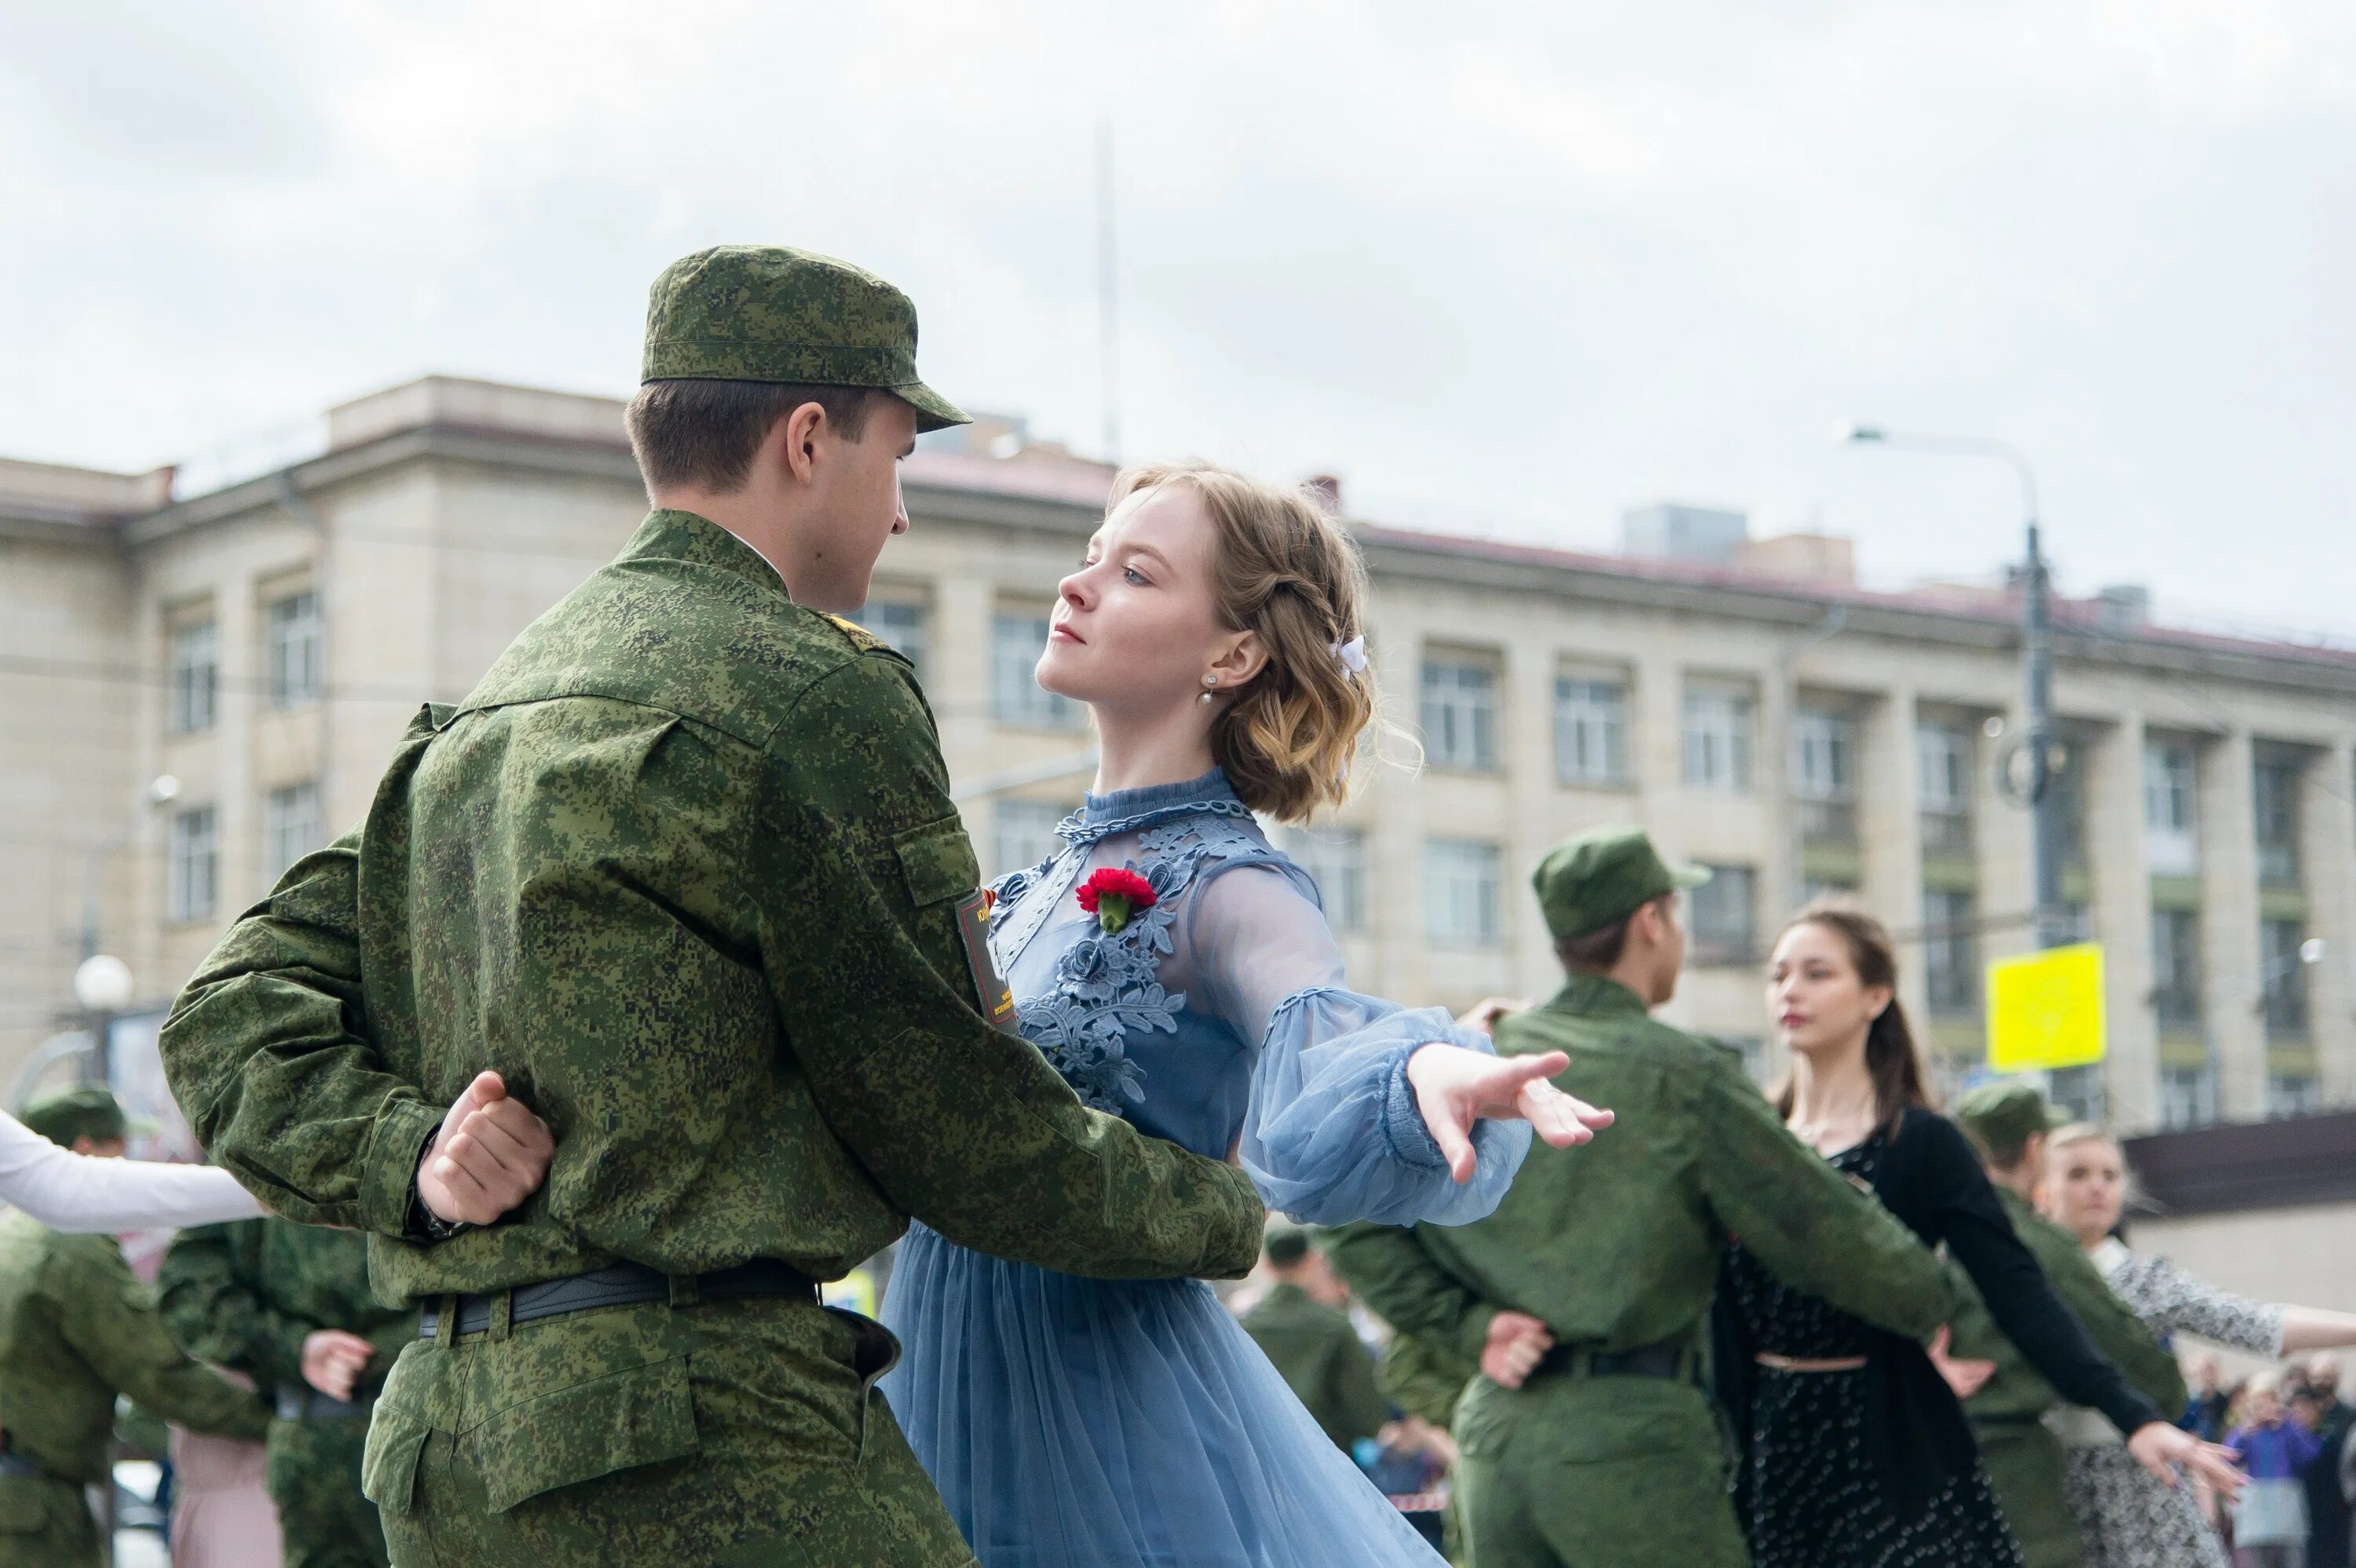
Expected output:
(861, 638)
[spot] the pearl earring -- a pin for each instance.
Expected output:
(1208, 680)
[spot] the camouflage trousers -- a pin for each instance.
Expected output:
(2027, 1466)
(315, 1480)
(45, 1523)
(1575, 1470)
(721, 1433)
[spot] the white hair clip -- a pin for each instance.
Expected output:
(1353, 654)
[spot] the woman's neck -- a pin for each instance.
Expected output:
(1136, 748)
(2089, 1239)
(1833, 1100)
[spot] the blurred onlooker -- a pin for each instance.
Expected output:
(1300, 1326)
(2328, 1513)
(2204, 1418)
(2270, 1528)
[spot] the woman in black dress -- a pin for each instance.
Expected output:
(1856, 1452)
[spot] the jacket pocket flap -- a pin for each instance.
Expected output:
(938, 862)
(641, 1416)
(389, 1462)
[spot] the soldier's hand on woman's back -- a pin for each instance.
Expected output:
(332, 1360)
(1455, 1087)
(1485, 1013)
(490, 1155)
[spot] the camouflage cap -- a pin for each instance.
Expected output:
(84, 1111)
(1587, 882)
(765, 312)
(2001, 1116)
(1285, 1242)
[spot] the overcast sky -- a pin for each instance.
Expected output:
(1506, 269)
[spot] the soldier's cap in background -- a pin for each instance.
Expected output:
(1285, 1243)
(2001, 1116)
(1603, 876)
(84, 1111)
(766, 313)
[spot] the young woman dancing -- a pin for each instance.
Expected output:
(1176, 969)
(2126, 1518)
(1856, 1453)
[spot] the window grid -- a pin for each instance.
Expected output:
(2274, 801)
(1335, 860)
(192, 867)
(2176, 968)
(2284, 994)
(1943, 752)
(1022, 834)
(1724, 914)
(1718, 738)
(291, 829)
(2293, 1095)
(195, 677)
(2188, 1097)
(2170, 808)
(1950, 950)
(1591, 730)
(1016, 695)
(1461, 903)
(294, 648)
(1459, 714)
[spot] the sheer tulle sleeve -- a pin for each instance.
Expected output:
(1331, 1132)
(77, 1192)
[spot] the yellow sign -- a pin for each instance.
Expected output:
(2045, 1009)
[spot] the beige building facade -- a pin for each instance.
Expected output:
(263, 644)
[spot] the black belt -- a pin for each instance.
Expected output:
(623, 1285)
(301, 1402)
(1672, 1363)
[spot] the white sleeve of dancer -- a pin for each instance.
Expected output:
(77, 1192)
(1332, 1131)
(2165, 1299)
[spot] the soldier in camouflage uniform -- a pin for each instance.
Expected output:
(1585, 1298)
(1312, 1345)
(684, 870)
(2026, 1461)
(77, 1331)
(289, 1306)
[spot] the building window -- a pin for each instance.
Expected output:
(1754, 1057)
(1724, 914)
(2188, 1097)
(1335, 860)
(901, 623)
(2176, 969)
(1016, 697)
(1717, 736)
(2075, 923)
(195, 677)
(2283, 978)
(1824, 775)
(2275, 784)
(295, 655)
(2292, 1095)
(290, 829)
(1950, 950)
(2078, 1091)
(1459, 714)
(1460, 893)
(1022, 834)
(2170, 802)
(193, 869)
(1591, 730)
(1943, 752)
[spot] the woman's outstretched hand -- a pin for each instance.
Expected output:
(1455, 1087)
(2159, 1448)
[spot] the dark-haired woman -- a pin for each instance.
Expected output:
(1857, 1454)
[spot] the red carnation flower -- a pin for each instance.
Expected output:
(1112, 895)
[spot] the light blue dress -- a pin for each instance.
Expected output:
(1075, 1423)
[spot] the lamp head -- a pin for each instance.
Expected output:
(1847, 432)
(163, 790)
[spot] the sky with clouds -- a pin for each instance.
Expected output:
(1506, 269)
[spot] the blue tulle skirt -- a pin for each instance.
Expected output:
(1075, 1423)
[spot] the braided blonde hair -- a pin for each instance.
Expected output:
(1290, 575)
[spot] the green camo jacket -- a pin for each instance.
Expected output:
(685, 870)
(2016, 1391)
(247, 1293)
(77, 1328)
(1615, 1244)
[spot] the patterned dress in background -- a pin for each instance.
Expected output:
(2126, 1519)
(1810, 1492)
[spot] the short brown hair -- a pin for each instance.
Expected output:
(1595, 952)
(704, 433)
(1290, 575)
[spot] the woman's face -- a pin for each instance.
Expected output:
(2085, 1187)
(1814, 998)
(1138, 623)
